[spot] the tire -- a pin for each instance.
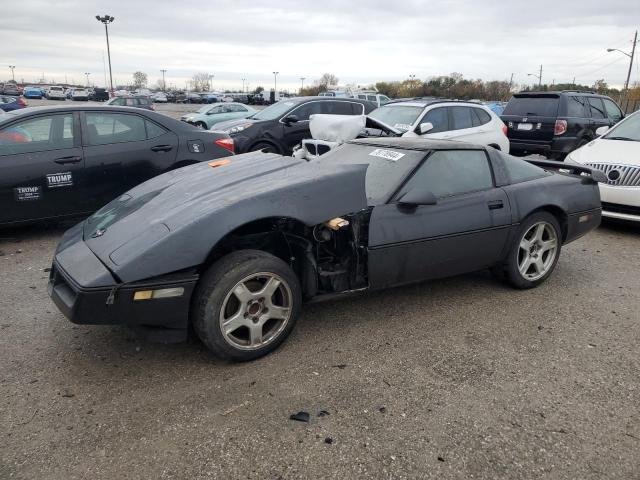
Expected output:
(266, 147)
(542, 232)
(256, 331)
(201, 125)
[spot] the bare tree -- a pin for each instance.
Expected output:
(328, 80)
(140, 79)
(200, 82)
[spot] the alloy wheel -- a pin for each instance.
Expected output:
(537, 251)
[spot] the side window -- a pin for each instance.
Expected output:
(575, 107)
(130, 102)
(304, 111)
(613, 112)
(461, 117)
(479, 117)
(597, 109)
(118, 101)
(439, 118)
(106, 128)
(452, 172)
(520, 170)
(39, 134)
(153, 129)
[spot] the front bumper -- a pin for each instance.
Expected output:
(111, 302)
(622, 203)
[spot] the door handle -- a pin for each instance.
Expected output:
(161, 148)
(69, 159)
(495, 204)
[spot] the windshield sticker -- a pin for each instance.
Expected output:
(402, 126)
(25, 194)
(388, 154)
(55, 180)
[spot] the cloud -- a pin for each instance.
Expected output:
(360, 42)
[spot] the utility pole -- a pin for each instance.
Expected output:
(12, 67)
(511, 83)
(243, 80)
(302, 79)
(87, 74)
(107, 19)
(275, 83)
(540, 77)
(633, 52)
(164, 85)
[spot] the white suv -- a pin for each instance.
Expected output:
(444, 119)
(56, 92)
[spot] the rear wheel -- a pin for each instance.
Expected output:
(534, 253)
(246, 305)
(265, 147)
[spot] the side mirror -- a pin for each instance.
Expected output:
(425, 127)
(290, 119)
(601, 131)
(416, 196)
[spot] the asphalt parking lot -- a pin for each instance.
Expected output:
(461, 378)
(173, 110)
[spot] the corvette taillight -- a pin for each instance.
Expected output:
(226, 143)
(560, 127)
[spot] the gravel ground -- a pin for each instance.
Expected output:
(461, 378)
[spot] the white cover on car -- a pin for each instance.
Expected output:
(336, 128)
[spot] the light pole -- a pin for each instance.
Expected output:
(164, 85)
(630, 55)
(107, 19)
(275, 83)
(539, 77)
(411, 82)
(87, 74)
(243, 80)
(210, 85)
(302, 79)
(12, 67)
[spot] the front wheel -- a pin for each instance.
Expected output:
(534, 253)
(201, 125)
(246, 305)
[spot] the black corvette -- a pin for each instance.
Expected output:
(234, 246)
(57, 162)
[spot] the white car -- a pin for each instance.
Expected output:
(56, 92)
(375, 98)
(160, 97)
(616, 152)
(444, 119)
(80, 94)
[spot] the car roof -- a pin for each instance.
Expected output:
(558, 93)
(426, 101)
(422, 144)
(74, 108)
(325, 99)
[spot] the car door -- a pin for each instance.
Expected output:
(439, 118)
(295, 132)
(121, 151)
(465, 230)
(41, 167)
(598, 115)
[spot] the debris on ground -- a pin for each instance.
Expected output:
(323, 413)
(341, 366)
(328, 440)
(382, 409)
(300, 417)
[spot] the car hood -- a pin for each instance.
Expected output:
(233, 123)
(172, 221)
(606, 151)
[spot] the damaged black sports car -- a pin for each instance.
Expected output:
(234, 247)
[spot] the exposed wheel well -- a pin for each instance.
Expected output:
(561, 216)
(273, 144)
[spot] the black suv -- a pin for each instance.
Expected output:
(283, 125)
(556, 123)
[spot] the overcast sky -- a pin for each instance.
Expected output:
(359, 42)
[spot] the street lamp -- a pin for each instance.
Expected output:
(243, 80)
(210, 84)
(87, 74)
(630, 55)
(275, 83)
(107, 19)
(302, 79)
(12, 67)
(164, 85)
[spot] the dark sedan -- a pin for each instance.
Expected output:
(66, 161)
(283, 125)
(233, 247)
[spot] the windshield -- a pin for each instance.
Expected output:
(204, 109)
(535, 105)
(627, 129)
(401, 117)
(388, 166)
(274, 111)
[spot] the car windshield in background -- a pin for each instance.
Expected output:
(538, 106)
(397, 116)
(628, 129)
(204, 109)
(387, 166)
(274, 111)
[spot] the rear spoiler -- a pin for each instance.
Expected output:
(571, 168)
